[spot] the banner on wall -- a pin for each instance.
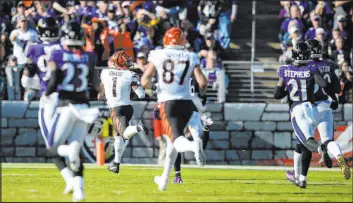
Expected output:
(102, 129)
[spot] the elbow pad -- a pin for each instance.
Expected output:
(140, 92)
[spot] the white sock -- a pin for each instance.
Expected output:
(334, 149)
(182, 144)
(297, 164)
(67, 174)
(130, 131)
(118, 148)
(170, 158)
(64, 150)
(302, 178)
(78, 183)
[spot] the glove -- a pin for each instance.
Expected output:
(334, 105)
(156, 114)
(204, 99)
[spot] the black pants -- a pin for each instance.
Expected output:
(121, 116)
(175, 115)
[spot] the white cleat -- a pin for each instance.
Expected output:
(69, 187)
(78, 195)
(74, 156)
(162, 184)
(199, 153)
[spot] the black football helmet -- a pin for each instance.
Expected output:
(315, 49)
(72, 34)
(48, 29)
(300, 53)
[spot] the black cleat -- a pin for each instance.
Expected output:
(326, 156)
(114, 167)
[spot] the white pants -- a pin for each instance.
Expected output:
(70, 124)
(325, 120)
(46, 111)
(195, 125)
(303, 117)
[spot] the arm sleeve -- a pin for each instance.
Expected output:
(280, 92)
(94, 78)
(55, 79)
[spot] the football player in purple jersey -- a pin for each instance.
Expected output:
(325, 105)
(298, 80)
(37, 68)
(71, 71)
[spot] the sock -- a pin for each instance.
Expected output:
(182, 144)
(306, 159)
(297, 164)
(130, 131)
(302, 178)
(67, 174)
(171, 155)
(64, 150)
(118, 148)
(177, 174)
(206, 137)
(334, 149)
(177, 163)
(78, 183)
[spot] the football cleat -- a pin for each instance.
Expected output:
(78, 195)
(69, 187)
(346, 171)
(302, 184)
(206, 121)
(115, 167)
(177, 180)
(325, 156)
(291, 177)
(161, 182)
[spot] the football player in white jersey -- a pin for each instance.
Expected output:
(116, 88)
(174, 67)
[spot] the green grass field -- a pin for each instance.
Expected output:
(135, 183)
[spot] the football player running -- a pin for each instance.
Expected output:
(325, 105)
(174, 67)
(71, 70)
(37, 67)
(299, 79)
(117, 82)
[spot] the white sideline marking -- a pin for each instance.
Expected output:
(17, 174)
(155, 166)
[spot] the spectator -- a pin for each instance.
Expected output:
(208, 13)
(177, 10)
(227, 16)
(284, 13)
(211, 44)
(122, 40)
(340, 54)
(286, 57)
(324, 10)
(345, 76)
(294, 36)
(316, 22)
(141, 62)
(102, 11)
(21, 38)
(320, 36)
(162, 26)
(345, 28)
(294, 20)
(304, 7)
(192, 35)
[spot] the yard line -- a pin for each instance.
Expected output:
(156, 167)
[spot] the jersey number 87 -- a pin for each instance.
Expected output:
(168, 68)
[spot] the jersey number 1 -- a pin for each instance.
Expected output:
(168, 68)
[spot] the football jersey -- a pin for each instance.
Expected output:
(75, 68)
(174, 68)
(39, 54)
(117, 86)
(299, 81)
(327, 70)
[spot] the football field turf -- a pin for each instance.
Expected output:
(42, 182)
